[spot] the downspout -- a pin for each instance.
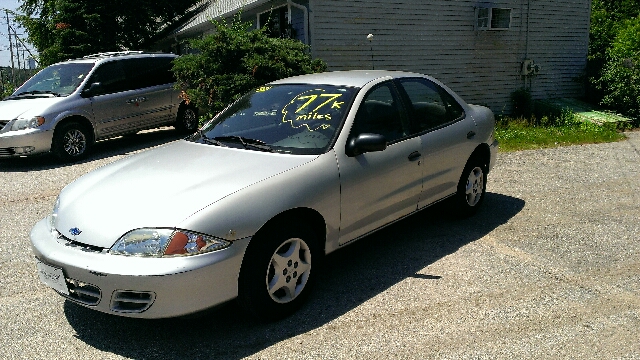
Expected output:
(306, 18)
(526, 51)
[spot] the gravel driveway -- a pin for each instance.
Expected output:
(549, 269)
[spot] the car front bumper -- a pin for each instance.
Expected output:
(140, 287)
(25, 142)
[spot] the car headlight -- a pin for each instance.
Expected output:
(165, 242)
(21, 124)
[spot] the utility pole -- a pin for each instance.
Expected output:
(13, 75)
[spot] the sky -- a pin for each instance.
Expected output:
(5, 54)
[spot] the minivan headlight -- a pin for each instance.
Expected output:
(165, 242)
(21, 124)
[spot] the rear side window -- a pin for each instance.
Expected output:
(430, 105)
(146, 72)
(130, 74)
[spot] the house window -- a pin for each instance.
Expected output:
(490, 18)
(276, 22)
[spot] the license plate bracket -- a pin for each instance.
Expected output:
(52, 276)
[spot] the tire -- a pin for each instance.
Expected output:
(71, 142)
(187, 119)
(278, 273)
(471, 188)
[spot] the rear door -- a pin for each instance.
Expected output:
(446, 133)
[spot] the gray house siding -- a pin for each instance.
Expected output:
(440, 38)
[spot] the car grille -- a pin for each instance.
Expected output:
(83, 293)
(80, 246)
(131, 301)
(7, 151)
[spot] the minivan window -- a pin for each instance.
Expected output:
(58, 79)
(148, 72)
(131, 74)
(111, 77)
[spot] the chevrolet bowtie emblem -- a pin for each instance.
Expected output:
(75, 231)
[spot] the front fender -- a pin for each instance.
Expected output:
(314, 185)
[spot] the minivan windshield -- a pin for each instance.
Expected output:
(56, 80)
(290, 118)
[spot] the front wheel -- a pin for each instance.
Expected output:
(471, 188)
(276, 275)
(70, 142)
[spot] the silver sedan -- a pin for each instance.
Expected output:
(247, 207)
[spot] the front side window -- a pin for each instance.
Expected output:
(430, 105)
(59, 79)
(380, 113)
(111, 77)
(289, 118)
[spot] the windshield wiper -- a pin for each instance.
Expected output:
(209, 140)
(38, 92)
(246, 142)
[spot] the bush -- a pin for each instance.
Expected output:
(620, 80)
(522, 103)
(234, 60)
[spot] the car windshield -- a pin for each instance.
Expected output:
(290, 118)
(56, 80)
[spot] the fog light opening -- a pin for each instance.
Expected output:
(23, 150)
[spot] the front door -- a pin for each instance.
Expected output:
(379, 187)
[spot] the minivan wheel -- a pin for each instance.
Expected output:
(276, 275)
(70, 142)
(187, 120)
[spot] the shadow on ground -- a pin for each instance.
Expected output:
(357, 273)
(103, 149)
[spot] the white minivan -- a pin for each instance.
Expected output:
(67, 106)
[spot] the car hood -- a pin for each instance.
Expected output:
(14, 108)
(160, 188)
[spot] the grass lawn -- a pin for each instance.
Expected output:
(525, 134)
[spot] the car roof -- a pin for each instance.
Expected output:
(354, 78)
(94, 58)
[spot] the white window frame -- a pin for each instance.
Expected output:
(487, 19)
(290, 4)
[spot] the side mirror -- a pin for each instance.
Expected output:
(92, 90)
(364, 143)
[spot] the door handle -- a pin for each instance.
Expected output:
(471, 134)
(414, 156)
(137, 100)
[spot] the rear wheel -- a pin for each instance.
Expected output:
(471, 188)
(187, 120)
(276, 275)
(70, 142)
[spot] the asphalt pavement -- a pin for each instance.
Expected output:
(550, 268)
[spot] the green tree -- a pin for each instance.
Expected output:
(63, 29)
(620, 79)
(235, 59)
(609, 29)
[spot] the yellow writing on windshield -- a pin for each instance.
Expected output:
(313, 109)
